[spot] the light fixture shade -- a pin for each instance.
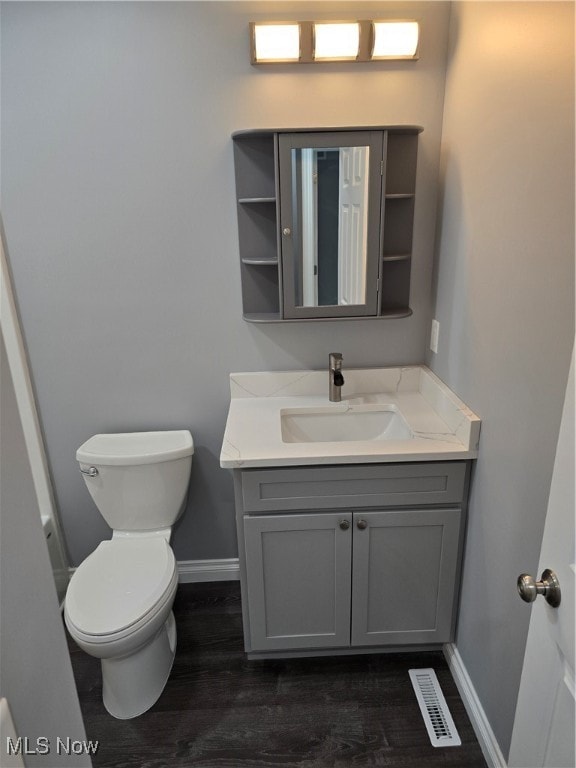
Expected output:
(336, 41)
(275, 42)
(395, 39)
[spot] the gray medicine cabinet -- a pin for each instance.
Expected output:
(325, 220)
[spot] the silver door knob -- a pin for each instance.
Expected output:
(549, 586)
(344, 524)
(286, 231)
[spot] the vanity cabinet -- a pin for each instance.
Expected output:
(350, 559)
(325, 222)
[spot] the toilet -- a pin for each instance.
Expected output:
(118, 606)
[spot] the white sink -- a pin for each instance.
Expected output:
(345, 423)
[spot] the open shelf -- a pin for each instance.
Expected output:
(398, 215)
(397, 313)
(262, 317)
(271, 317)
(260, 262)
(395, 288)
(256, 200)
(397, 257)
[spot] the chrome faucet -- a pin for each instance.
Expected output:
(335, 377)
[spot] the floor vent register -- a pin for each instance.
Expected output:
(437, 717)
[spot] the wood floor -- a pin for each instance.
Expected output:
(220, 710)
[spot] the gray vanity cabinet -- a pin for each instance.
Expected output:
(350, 559)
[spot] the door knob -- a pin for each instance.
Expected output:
(362, 524)
(549, 586)
(344, 524)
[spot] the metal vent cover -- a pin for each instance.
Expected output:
(435, 712)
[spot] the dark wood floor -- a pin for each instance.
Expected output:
(220, 710)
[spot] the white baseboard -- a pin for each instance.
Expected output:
(484, 733)
(190, 571)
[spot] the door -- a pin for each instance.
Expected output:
(298, 580)
(353, 225)
(309, 228)
(543, 733)
(404, 576)
(19, 370)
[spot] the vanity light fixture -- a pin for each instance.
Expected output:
(273, 42)
(305, 42)
(394, 39)
(336, 41)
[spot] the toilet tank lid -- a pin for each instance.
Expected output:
(128, 448)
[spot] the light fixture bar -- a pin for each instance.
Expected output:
(304, 42)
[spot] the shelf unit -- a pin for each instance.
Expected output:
(256, 161)
(397, 223)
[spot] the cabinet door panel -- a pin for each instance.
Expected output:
(304, 215)
(298, 579)
(404, 575)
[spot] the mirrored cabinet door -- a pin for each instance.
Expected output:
(330, 192)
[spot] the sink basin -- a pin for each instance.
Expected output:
(343, 424)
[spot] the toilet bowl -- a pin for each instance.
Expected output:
(118, 606)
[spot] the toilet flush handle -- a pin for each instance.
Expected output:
(91, 471)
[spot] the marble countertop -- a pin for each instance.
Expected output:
(442, 427)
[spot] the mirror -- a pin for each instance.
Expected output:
(329, 234)
(330, 212)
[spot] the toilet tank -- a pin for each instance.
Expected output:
(138, 480)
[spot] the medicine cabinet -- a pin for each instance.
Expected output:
(325, 220)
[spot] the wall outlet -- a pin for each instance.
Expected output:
(434, 333)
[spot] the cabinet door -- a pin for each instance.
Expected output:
(330, 192)
(298, 580)
(404, 576)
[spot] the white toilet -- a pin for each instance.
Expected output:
(119, 601)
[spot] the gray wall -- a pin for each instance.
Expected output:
(119, 211)
(505, 302)
(35, 671)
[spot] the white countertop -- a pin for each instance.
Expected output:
(442, 426)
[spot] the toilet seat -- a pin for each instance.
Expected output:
(119, 587)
